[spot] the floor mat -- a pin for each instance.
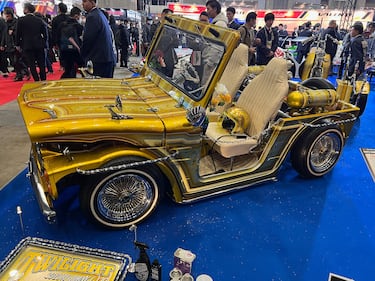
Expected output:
(9, 89)
(294, 229)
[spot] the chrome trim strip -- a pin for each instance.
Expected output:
(47, 211)
(195, 198)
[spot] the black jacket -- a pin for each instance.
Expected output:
(2, 30)
(10, 35)
(56, 21)
(234, 25)
(263, 52)
(71, 28)
(124, 39)
(31, 33)
(331, 47)
(358, 49)
(304, 48)
(134, 32)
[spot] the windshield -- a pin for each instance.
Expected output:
(186, 60)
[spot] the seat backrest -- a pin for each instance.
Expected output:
(236, 69)
(263, 96)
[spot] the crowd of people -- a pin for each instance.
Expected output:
(262, 43)
(358, 42)
(354, 52)
(34, 41)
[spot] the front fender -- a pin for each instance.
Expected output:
(60, 166)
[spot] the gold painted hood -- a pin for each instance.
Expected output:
(80, 107)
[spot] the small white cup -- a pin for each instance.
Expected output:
(204, 277)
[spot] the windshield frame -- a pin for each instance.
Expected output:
(225, 37)
(195, 58)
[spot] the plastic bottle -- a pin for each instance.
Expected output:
(142, 265)
(155, 271)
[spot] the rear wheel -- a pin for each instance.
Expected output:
(316, 83)
(122, 198)
(317, 151)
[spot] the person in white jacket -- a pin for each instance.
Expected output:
(214, 12)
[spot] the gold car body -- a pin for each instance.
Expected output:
(310, 61)
(73, 126)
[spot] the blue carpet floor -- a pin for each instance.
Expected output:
(292, 230)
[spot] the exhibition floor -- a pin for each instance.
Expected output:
(292, 230)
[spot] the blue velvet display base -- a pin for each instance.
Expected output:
(292, 230)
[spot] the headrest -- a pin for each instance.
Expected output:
(276, 70)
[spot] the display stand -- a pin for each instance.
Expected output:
(369, 156)
(41, 259)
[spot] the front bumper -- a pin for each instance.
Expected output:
(47, 210)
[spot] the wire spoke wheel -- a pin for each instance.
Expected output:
(124, 197)
(316, 152)
(325, 152)
(121, 199)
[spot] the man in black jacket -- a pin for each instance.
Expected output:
(304, 48)
(134, 32)
(269, 41)
(3, 60)
(8, 44)
(31, 39)
(231, 21)
(358, 50)
(56, 21)
(332, 36)
(55, 29)
(124, 41)
(155, 26)
(146, 35)
(70, 44)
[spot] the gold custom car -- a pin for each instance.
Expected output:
(351, 89)
(185, 127)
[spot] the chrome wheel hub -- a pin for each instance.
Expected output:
(124, 197)
(325, 152)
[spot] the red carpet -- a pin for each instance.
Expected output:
(10, 89)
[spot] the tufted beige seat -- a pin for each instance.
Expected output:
(261, 99)
(236, 69)
(234, 74)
